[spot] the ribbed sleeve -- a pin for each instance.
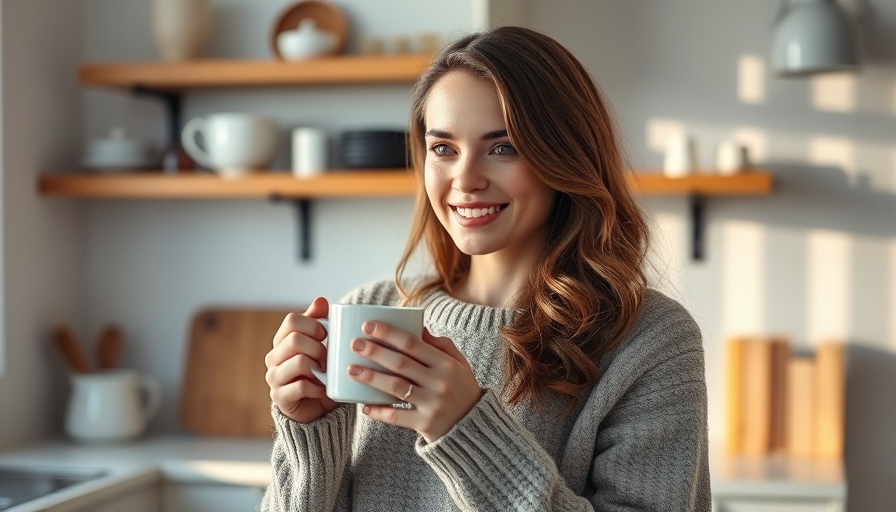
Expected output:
(489, 462)
(310, 463)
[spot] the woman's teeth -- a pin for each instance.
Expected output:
(473, 213)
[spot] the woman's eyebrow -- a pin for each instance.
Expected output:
(494, 134)
(438, 133)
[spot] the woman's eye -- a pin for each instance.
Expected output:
(441, 149)
(503, 150)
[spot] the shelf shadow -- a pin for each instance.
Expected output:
(812, 197)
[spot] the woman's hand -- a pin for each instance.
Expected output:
(298, 349)
(429, 373)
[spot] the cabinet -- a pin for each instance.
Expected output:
(169, 79)
(144, 499)
(196, 497)
(776, 483)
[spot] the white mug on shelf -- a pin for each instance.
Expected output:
(343, 326)
(681, 156)
(234, 144)
(309, 151)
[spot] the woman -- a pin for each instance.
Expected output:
(550, 377)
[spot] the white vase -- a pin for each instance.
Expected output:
(180, 28)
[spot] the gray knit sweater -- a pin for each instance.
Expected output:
(638, 441)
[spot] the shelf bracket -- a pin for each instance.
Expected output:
(174, 157)
(698, 233)
(303, 222)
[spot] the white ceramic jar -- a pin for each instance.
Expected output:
(180, 28)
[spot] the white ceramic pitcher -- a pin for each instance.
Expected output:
(113, 405)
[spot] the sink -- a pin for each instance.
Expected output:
(21, 484)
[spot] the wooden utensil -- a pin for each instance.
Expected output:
(109, 347)
(70, 348)
(223, 391)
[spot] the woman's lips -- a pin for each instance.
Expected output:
(470, 215)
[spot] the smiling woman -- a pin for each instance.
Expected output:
(549, 376)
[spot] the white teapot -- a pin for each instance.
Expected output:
(305, 42)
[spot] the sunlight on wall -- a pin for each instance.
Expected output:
(829, 297)
(751, 79)
(743, 271)
(891, 179)
(835, 152)
(891, 331)
(893, 99)
(667, 230)
(659, 131)
(834, 93)
(755, 140)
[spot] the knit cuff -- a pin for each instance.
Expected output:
(490, 461)
(310, 460)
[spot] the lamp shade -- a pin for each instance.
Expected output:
(814, 36)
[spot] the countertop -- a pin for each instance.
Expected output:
(186, 459)
(245, 462)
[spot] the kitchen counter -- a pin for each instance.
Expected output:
(182, 459)
(245, 462)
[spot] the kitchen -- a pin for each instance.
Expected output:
(815, 259)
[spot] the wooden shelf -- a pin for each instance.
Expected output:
(178, 76)
(156, 185)
(355, 183)
(752, 183)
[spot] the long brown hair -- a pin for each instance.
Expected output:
(586, 291)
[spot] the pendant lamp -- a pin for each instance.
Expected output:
(812, 37)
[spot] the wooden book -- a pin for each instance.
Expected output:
(734, 368)
(800, 417)
(757, 398)
(780, 355)
(830, 391)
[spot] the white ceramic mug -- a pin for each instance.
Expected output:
(235, 144)
(343, 326)
(309, 152)
(113, 405)
(681, 156)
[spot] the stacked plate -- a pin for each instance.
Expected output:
(374, 149)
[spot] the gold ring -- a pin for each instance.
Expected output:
(410, 390)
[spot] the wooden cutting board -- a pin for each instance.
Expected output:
(223, 391)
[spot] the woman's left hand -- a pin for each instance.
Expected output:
(430, 373)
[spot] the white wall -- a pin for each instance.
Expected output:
(42, 242)
(815, 260)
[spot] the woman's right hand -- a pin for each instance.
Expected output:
(297, 349)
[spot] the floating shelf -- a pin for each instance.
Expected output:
(196, 185)
(180, 76)
(355, 183)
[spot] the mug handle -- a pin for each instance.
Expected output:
(322, 376)
(188, 141)
(153, 395)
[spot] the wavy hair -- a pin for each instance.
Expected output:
(586, 291)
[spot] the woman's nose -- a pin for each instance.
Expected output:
(469, 176)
